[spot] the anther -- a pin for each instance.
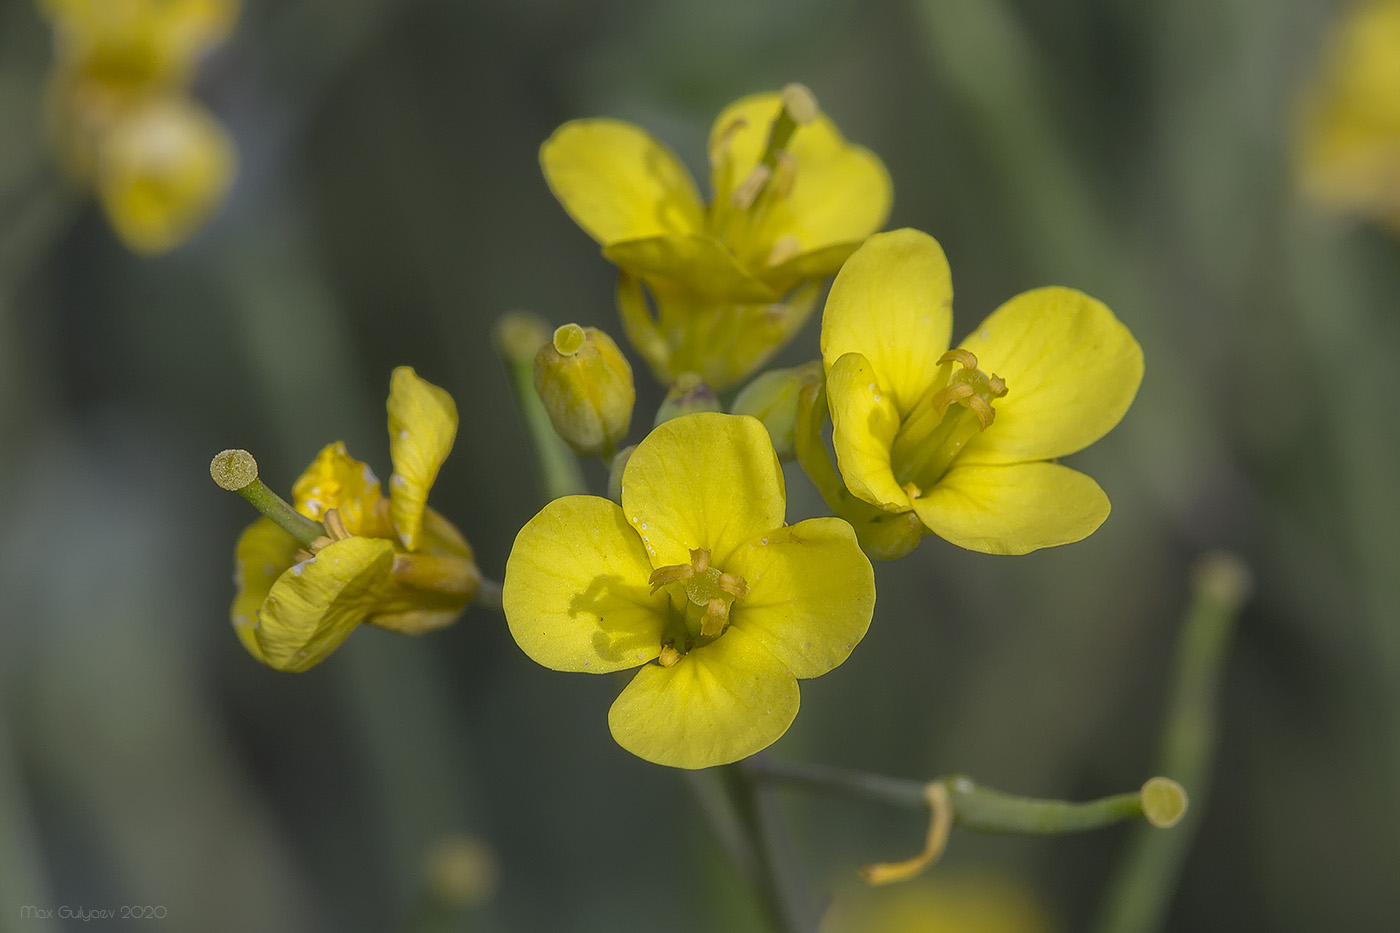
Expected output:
(746, 192)
(318, 543)
(700, 559)
(716, 612)
(800, 103)
(664, 576)
(996, 385)
(734, 586)
(912, 490)
(959, 355)
(947, 395)
(984, 412)
(669, 655)
(335, 525)
(784, 248)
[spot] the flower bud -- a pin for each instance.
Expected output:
(586, 386)
(688, 394)
(772, 399)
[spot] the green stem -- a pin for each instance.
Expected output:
(1138, 894)
(519, 337)
(776, 876)
(974, 807)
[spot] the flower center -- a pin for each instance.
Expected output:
(943, 421)
(735, 218)
(708, 593)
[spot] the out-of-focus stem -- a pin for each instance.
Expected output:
(519, 336)
(1137, 896)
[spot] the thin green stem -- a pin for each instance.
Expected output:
(280, 511)
(518, 338)
(776, 877)
(974, 807)
(488, 595)
(1138, 894)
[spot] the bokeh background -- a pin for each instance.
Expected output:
(389, 207)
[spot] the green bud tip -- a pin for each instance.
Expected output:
(233, 469)
(520, 334)
(1164, 802)
(569, 339)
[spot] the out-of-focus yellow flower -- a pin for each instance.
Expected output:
(966, 439)
(386, 560)
(1349, 148)
(158, 40)
(161, 171)
(696, 580)
(959, 904)
(586, 385)
(732, 279)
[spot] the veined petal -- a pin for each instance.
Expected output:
(698, 262)
(575, 593)
(316, 604)
(703, 481)
(263, 552)
(336, 480)
(810, 264)
(811, 594)
(718, 704)
(618, 183)
(892, 302)
(1013, 508)
(1071, 370)
(863, 427)
(422, 426)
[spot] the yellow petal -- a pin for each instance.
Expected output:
(703, 481)
(697, 262)
(811, 594)
(863, 427)
(336, 480)
(1013, 509)
(263, 552)
(725, 341)
(619, 183)
(575, 593)
(892, 302)
(422, 426)
(718, 704)
(317, 603)
(1071, 370)
(162, 170)
(840, 193)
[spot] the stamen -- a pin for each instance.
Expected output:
(984, 412)
(716, 612)
(669, 655)
(700, 559)
(950, 394)
(318, 543)
(665, 576)
(800, 103)
(786, 174)
(747, 191)
(335, 525)
(959, 355)
(734, 586)
(912, 490)
(721, 143)
(996, 385)
(784, 248)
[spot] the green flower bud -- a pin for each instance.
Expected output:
(687, 395)
(586, 385)
(772, 399)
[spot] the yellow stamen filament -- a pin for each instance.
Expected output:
(669, 655)
(715, 615)
(940, 822)
(721, 144)
(959, 355)
(747, 190)
(786, 174)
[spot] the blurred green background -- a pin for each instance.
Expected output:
(389, 207)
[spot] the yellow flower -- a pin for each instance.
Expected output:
(161, 171)
(965, 439)
(967, 903)
(696, 580)
(389, 561)
(159, 40)
(791, 199)
(1349, 149)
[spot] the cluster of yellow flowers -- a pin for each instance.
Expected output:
(123, 119)
(691, 574)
